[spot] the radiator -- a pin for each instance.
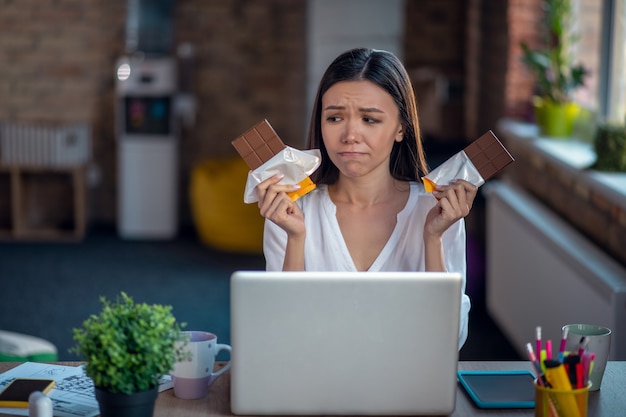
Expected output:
(43, 145)
(542, 272)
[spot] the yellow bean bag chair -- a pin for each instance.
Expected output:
(222, 220)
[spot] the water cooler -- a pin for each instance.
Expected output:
(147, 148)
(153, 98)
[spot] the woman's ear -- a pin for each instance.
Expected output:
(400, 134)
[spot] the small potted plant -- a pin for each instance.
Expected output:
(556, 75)
(610, 147)
(128, 347)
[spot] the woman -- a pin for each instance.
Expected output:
(370, 211)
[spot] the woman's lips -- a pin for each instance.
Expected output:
(350, 154)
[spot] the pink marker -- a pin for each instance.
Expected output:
(586, 361)
(549, 349)
(538, 340)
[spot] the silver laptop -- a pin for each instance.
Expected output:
(344, 343)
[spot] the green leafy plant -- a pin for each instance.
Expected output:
(557, 76)
(610, 147)
(128, 346)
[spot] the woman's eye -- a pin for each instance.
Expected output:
(370, 120)
(333, 118)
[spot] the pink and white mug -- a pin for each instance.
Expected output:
(193, 376)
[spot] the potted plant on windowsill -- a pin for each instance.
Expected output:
(128, 347)
(556, 75)
(610, 146)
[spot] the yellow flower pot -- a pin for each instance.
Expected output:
(555, 119)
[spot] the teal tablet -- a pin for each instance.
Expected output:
(499, 389)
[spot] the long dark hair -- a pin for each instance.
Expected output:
(407, 162)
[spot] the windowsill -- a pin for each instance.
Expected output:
(558, 173)
(575, 155)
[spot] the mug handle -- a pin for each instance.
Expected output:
(226, 367)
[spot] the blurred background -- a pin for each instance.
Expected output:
(245, 61)
(116, 117)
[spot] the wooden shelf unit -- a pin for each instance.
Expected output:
(39, 203)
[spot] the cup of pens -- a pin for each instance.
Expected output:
(563, 378)
(560, 402)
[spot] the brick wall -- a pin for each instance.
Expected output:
(523, 25)
(434, 34)
(500, 84)
(434, 55)
(56, 56)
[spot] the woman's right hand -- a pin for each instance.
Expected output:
(277, 206)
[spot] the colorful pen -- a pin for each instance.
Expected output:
(538, 340)
(586, 361)
(548, 349)
(563, 343)
(582, 345)
(580, 376)
(571, 363)
(541, 378)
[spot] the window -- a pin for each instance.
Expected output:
(587, 24)
(616, 97)
(601, 46)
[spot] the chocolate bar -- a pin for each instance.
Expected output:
(488, 155)
(258, 144)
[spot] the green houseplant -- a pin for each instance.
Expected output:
(556, 74)
(127, 347)
(610, 147)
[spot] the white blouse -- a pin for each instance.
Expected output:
(326, 250)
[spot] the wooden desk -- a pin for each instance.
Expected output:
(609, 401)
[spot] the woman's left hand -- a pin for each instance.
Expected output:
(454, 201)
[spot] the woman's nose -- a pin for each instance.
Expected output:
(351, 133)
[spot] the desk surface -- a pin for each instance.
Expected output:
(609, 401)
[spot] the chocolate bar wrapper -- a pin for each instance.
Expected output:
(479, 161)
(459, 166)
(294, 164)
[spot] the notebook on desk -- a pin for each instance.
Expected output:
(344, 343)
